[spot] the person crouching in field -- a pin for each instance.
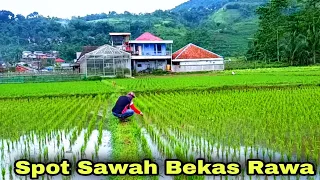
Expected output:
(125, 108)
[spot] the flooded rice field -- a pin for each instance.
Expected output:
(230, 126)
(53, 148)
(203, 149)
(58, 145)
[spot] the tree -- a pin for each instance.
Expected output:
(287, 34)
(6, 16)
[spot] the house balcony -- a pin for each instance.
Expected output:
(151, 55)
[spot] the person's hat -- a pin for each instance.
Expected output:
(131, 94)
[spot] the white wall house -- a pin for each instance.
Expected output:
(194, 58)
(148, 52)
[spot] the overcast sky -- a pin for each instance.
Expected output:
(69, 8)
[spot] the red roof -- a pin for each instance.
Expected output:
(192, 51)
(21, 69)
(148, 37)
(59, 60)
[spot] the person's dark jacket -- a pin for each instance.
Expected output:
(123, 103)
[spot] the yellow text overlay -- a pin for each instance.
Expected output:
(87, 167)
(176, 167)
(172, 167)
(34, 170)
(258, 167)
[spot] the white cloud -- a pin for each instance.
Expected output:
(69, 8)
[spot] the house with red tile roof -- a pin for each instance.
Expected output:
(21, 69)
(194, 58)
(147, 52)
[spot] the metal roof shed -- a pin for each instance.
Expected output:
(106, 61)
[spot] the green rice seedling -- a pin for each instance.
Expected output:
(145, 147)
(263, 153)
(308, 154)
(167, 152)
(74, 137)
(218, 149)
(74, 160)
(62, 152)
(100, 133)
(290, 147)
(8, 145)
(10, 171)
(45, 152)
(96, 149)
(92, 156)
(299, 152)
(82, 150)
(59, 157)
(3, 172)
(316, 156)
(245, 151)
(227, 156)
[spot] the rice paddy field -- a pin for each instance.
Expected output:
(267, 114)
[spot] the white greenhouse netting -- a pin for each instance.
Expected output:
(106, 61)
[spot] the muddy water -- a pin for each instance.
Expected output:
(55, 144)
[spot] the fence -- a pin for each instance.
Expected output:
(6, 78)
(196, 68)
(230, 65)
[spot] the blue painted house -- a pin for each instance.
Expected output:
(150, 52)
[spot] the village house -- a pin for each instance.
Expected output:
(148, 52)
(144, 54)
(194, 58)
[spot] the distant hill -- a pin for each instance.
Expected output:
(231, 23)
(211, 4)
(223, 26)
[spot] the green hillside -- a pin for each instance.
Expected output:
(229, 28)
(226, 16)
(212, 4)
(218, 25)
(288, 30)
(167, 28)
(232, 27)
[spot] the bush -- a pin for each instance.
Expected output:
(93, 78)
(120, 76)
(233, 6)
(159, 72)
(253, 65)
(127, 71)
(134, 73)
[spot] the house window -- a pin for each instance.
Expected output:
(139, 65)
(136, 49)
(159, 48)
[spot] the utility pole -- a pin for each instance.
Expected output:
(314, 45)
(278, 51)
